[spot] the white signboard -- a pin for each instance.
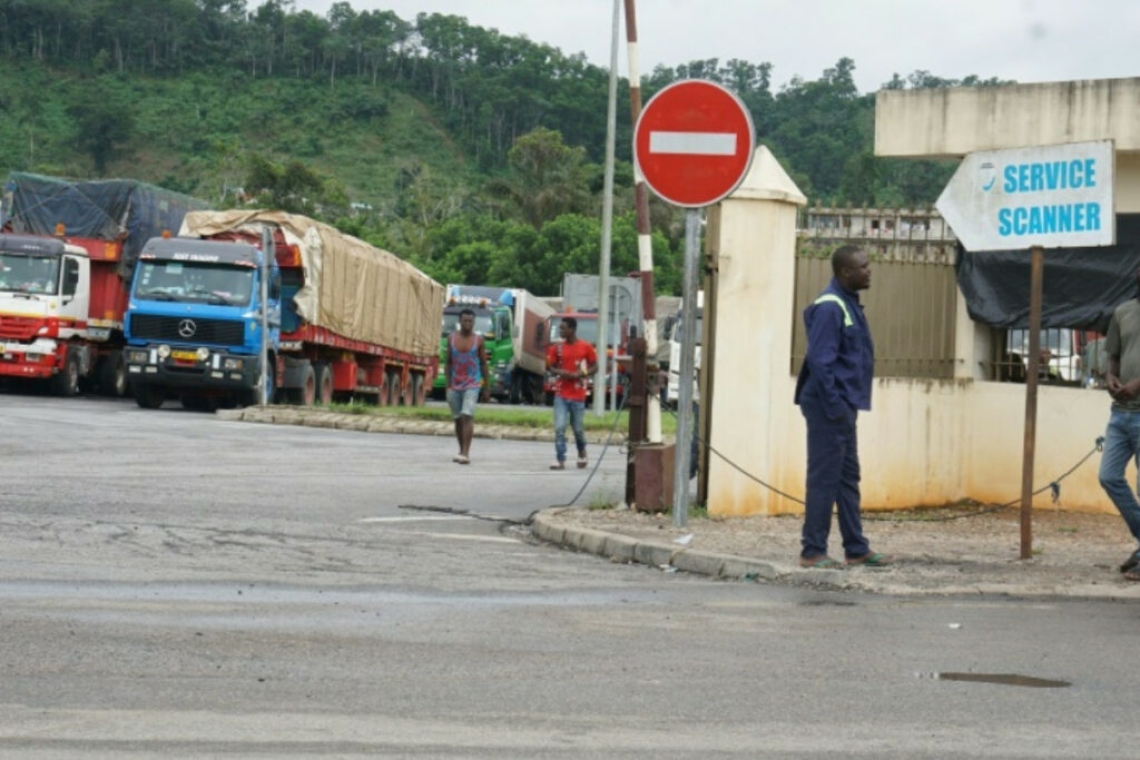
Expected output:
(1051, 196)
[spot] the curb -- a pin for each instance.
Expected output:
(667, 555)
(670, 557)
(374, 423)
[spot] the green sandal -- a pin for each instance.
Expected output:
(872, 559)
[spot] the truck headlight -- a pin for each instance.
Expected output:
(163, 351)
(136, 356)
(203, 354)
(233, 364)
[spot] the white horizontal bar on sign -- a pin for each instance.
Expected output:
(693, 143)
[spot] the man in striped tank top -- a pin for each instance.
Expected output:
(467, 380)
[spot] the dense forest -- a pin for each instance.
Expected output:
(474, 154)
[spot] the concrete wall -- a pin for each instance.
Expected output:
(959, 120)
(954, 121)
(924, 443)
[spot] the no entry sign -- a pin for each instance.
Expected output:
(693, 143)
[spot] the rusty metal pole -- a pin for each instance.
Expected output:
(1036, 277)
(644, 233)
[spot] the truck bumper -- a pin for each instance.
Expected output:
(190, 368)
(38, 360)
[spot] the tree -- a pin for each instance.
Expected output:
(103, 118)
(545, 179)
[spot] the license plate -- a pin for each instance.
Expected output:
(184, 356)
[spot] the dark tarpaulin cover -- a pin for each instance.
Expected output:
(111, 209)
(1081, 286)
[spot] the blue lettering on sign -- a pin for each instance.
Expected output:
(1049, 220)
(1040, 176)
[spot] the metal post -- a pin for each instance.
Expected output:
(267, 250)
(1037, 267)
(685, 376)
(607, 221)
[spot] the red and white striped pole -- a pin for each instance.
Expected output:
(644, 238)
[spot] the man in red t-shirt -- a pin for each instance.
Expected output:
(571, 362)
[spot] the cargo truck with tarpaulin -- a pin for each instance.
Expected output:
(347, 320)
(67, 250)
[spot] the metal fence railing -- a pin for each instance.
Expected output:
(910, 308)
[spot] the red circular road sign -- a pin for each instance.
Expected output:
(693, 143)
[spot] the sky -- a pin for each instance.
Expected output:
(1022, 40)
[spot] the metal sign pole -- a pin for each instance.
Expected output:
(685, 378)
(267, 250)
(1037, 268)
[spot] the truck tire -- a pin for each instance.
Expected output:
(417, 390)
(307, 393)
(66, 382)
(149, 396)
(324, 383)
(251, 397)
(112, 372)
(392, 388)
(515, 396)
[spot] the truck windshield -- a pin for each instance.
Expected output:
(29, 274)
(194, 283)
(587, 330)
(483, 323)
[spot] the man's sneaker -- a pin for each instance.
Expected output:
(582, 462)
(1131, 563)
(558, 466)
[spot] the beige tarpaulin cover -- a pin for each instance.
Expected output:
(351, 288)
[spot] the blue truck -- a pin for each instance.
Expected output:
(194, 323)
(344, 320)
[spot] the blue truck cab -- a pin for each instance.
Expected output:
(193, 325)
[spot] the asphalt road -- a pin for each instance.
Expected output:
(175, 585)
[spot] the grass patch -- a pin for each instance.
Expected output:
(492, 414)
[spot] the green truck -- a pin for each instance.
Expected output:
(513, 323)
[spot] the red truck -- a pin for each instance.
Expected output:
(66, 254)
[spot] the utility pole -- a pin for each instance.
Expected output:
(604, 369)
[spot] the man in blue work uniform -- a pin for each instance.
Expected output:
(833, 385)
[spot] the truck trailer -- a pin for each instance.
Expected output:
(62, 298)
(512, 322)
(346, 320)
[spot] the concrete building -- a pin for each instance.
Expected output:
(926, 441)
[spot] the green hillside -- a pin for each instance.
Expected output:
(473, 154)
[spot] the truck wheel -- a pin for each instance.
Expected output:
(392, 386)
(516, 393)
(417, 393)
(149, 396)
(324, 383)
(307, 393)
(113, 375)
(251, 396)
(66, 382)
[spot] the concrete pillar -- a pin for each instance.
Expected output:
(752, 243)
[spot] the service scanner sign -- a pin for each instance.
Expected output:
(1057, 196)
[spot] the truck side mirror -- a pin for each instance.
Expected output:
(275, 285)
(539, 333)
(515, 331)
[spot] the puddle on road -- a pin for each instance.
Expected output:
(1002, 679)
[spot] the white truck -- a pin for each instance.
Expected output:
(675, 337)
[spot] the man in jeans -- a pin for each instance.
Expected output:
(1122, 439)
(571, 362)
